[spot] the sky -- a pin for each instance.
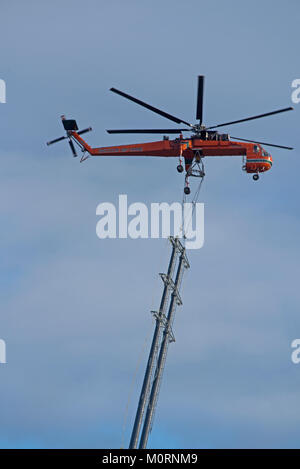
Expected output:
(75, 310)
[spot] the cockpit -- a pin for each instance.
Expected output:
(259, 149)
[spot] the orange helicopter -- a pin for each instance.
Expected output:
(204, 142)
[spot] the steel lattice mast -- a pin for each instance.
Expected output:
(163, 328)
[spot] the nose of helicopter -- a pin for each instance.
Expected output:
(269, 160)
(266, 164)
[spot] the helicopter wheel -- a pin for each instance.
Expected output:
(180, 168)
(187, 190)
(255, 177)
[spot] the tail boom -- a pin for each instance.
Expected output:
(160, 148)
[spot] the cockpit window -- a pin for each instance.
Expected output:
(265, 153)
(256, 148)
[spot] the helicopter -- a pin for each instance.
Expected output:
(203, 141)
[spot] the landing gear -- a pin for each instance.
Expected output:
(180, 168)
(187, 190)
(255, 177)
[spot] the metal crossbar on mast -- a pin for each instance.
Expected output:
(162, 336)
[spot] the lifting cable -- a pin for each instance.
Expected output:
(186, 222)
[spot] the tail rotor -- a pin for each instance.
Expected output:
(70, 126)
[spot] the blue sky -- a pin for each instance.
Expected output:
(75, 310)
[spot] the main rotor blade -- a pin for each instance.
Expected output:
(56, 140)
(147, 131)
(151, 108)
(72, 147)
(253, 117)
(262, 143)
(199, 113)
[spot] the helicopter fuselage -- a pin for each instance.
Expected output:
(256, 159)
